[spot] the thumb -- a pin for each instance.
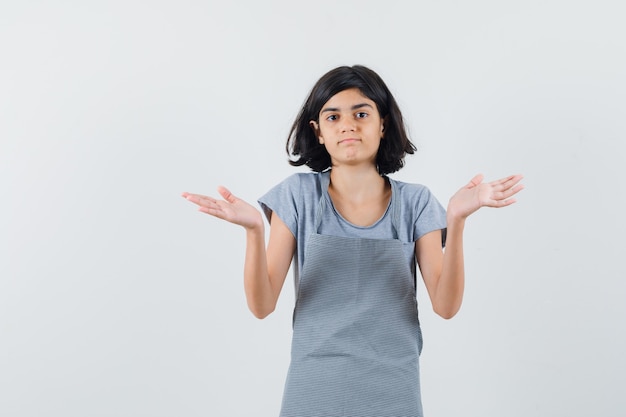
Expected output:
(225, 192)
(478, 178)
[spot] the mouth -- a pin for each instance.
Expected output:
(349, 140)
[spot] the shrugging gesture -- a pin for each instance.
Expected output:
(351, 286)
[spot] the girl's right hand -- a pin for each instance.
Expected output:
(231, 208)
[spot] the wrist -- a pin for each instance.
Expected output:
(255, 228)
(455, 220)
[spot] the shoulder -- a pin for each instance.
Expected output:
(418, 200)
(289, 198)
(293, 190)
(301, 182)
(412, 192)
(420, 208)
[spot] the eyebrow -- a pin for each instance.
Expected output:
(356, 106)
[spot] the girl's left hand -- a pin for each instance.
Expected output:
(477, 194)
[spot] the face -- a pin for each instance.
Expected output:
(350, 128)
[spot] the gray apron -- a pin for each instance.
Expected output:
(356, 334)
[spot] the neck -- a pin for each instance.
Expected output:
(356, 182)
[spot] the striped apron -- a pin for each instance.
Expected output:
(356, 334)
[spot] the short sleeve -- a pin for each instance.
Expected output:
(431, 216)
(282, 199)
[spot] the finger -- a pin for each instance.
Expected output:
(507, 202)
(514, 190)
(507, 182)
(201, 200)
(225, 192)
(500, 203)
(478, 178)
(215, 211)
(503, 195)
(192, 195)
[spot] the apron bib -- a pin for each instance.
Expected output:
(356, 334)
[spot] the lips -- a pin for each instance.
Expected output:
(349, 140)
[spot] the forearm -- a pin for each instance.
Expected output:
(451, 284)
(260, 294)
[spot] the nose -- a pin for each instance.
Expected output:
(347, 125)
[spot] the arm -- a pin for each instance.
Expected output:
(264, 270)
(444, 272)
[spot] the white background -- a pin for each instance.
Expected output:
(117, 298)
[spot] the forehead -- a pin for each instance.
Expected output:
(348, 98)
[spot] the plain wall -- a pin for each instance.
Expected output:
(117, 298)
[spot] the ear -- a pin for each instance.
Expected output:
(316, 128)
(382, 128)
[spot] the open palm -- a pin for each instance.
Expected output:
(231, 208)
(477, 194)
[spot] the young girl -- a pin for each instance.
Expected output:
(355, 237)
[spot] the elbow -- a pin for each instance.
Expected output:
(446, 316)
(261, 307)
(261, 313)
(446, 313)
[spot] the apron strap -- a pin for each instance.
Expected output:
(324, 183)
(394, 204)
(395, 209)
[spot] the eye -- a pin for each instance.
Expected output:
(332, 118)
(361, 115)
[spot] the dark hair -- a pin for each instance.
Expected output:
(302, 144)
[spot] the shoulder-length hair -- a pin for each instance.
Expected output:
(303, 146)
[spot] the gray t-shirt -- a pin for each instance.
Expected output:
(296, 201)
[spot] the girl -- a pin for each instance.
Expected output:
(355, 237)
